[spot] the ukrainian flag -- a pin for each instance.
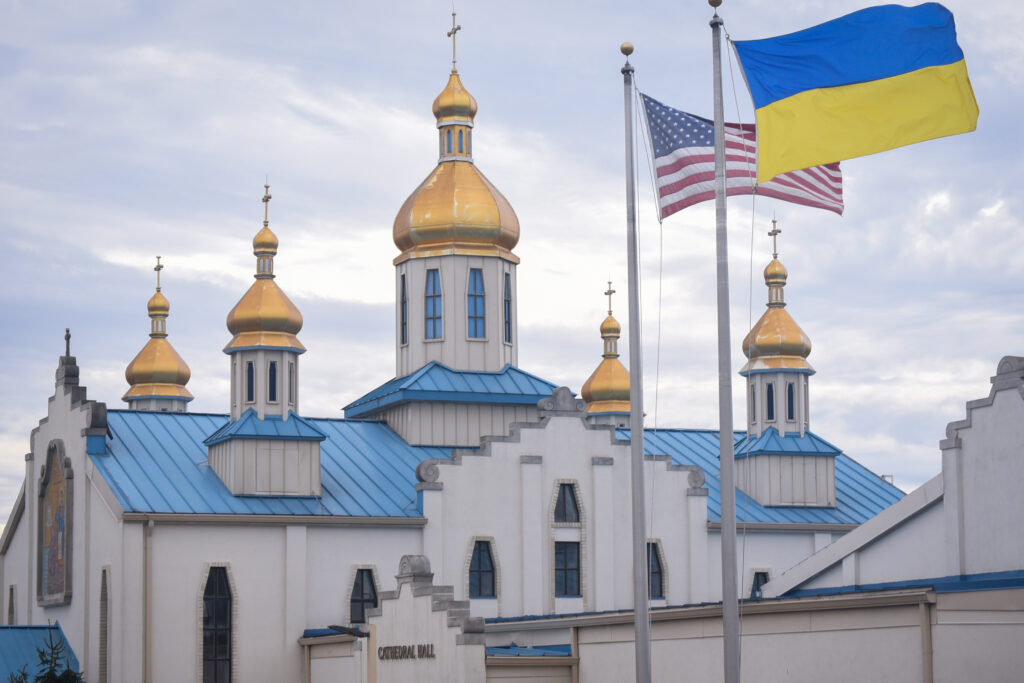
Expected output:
(879, 78)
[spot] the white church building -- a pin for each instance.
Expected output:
(468, 520)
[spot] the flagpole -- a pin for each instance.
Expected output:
(636, 404)
(730, 600)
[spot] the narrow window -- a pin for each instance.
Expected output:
(449, 141)
(656, 585)
(291, 382)
(364, 596)
(790, 401)
(567, 569)
(508, 308)
(10, 605)
(760, 579)
(250, 382)
(104, 636)
(475, 305)
(481, 571)
(404, 312)
(217, 627)
(435, 325)
(566, 509)
(769, 402)
(460, 141)
(272, 382)
(753, 404)
(469, 142)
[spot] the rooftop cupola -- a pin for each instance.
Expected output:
(264, 349)
(157, 375)
(455, 273)
(607, 389)
(777, 367)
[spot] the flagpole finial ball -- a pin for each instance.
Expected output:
(626, 48)
(715, 3)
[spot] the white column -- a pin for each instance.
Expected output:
(602, 534)
(534, 551)
(697, 537)
(294, 589)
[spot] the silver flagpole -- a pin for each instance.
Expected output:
(730, 603)
(636, 401)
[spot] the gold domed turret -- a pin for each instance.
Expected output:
(607, 389)
(264, 316)
(157, 372)
(456, 210)
(776, 342)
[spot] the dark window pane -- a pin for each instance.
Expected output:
(364, 595)
(481, 571)
(566, 509)
(567, 568)
(769, 402)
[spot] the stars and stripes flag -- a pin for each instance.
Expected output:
(684, 159)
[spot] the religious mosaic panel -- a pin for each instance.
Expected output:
(53, 573)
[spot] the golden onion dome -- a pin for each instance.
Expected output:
(776, 342)
(264, 316)
(157, 371)
(456, 209)
(607, 389)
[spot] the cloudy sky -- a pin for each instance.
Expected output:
(130, 129)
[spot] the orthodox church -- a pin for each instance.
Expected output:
(465, 521)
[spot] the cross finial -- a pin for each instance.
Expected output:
(266, 204)
(451, 34)
(609, 295)
(67, 342)
(774, 234)
(159, 266)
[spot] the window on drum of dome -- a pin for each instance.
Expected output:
(567, 569)
(475, 305)
(434, 322)
(404, 313)
(481, 571)
(566, 509)
(460, 142)
(217, 627)
(272, 382)
(508, 308)
(656, 588)
(769, 402)
(364, 596)
(250, 382)
(291, 382)
(753, 403)
(790, 401)
(449, 136)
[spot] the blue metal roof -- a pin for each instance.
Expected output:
(250, 426)
(18, 645)
(986, 581)
(156, 462)
(513, 650)
(860, 494)
(437, 382)
(772, 443)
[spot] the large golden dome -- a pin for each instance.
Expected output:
(607, 389)
(776, 342)
(456, 210)
(264, 316)
(157, 371)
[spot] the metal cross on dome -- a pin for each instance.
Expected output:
(451, 34)
(158, 267)
(266, 204)
(609, 295)
(774, 234)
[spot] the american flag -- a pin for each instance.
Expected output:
(684, 158)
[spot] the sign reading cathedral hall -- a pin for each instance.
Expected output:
(418, 651)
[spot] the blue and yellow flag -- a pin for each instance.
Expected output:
(879, 78)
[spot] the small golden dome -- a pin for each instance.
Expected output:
(607, 389)
(776, 342)
(454, 102)
(158, 305)
(265, 242)
(157, 371)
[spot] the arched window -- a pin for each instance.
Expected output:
(449, 136)
(404, 312)
(272, 382)
(364, 596)
(508, 308)
(481, 571)
(250, 382)
(566, 509)
(475, 305)
(760, 579)
(460, 142)
(656, 586)
(434, 322)
(769, 402)
(753, 403)
(790, 401)
(217, 627)
(291, 382)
